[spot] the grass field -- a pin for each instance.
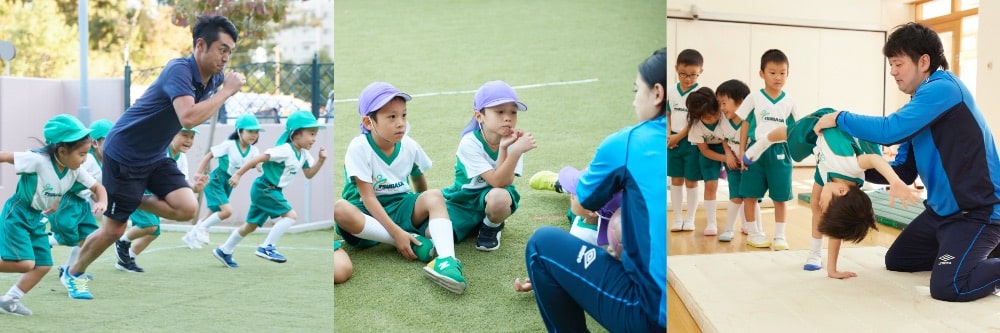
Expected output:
(190, 291)
(441, 52)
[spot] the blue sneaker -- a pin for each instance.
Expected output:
(63, 269)
(814, 261)
(226, 259)
(76, 286)
(268, 252)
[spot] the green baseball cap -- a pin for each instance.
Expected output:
(248, 122)
(194, 130)
(99, 128)
(64, 128)
(298, 120)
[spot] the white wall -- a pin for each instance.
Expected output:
(988, 73)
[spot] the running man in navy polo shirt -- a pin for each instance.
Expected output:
(186, 94)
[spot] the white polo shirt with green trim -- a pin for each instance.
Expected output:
(387, 174)
(40, 182)
(284, 163)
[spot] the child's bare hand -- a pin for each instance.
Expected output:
(906, 194)
(731, 161)
(322, 153)
(523, 286)
(510, 139)
(99, 207)
(234, 180)
(403, 241)
(524, 143)
(673, 141)
(841, 275)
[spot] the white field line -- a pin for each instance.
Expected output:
(459, 92)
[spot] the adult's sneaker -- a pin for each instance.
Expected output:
(447, 273)
(545, 181)
(63, 269)
(489, 237)
(226, 259)
(121, 250)
(13, 306)
(76, 286)
(270, 253)
(425, 252)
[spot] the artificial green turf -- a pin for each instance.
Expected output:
(453, 46)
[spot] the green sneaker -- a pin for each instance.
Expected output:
(425, 252)
(545, 181)
(447, 273)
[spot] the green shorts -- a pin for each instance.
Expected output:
(73, 221)
(143, 219)
(217, 191)
(772, 173)
(734, 177)
(267, 202)
(710, 168)
(683, 161)
(23, 234)
(467, 209)
(399, 207)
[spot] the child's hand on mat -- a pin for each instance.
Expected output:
(99, 207)
(841, 275)
(523, 287)
(403, 241)
(906, 194)
(234, 180)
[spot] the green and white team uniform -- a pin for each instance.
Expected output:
(231, 158)
(74, 219)
(731, 136)
(283, 165)
(772, 173)
(389, 178)
(466, 198)
(683, 160)
(714, 136)
(39, 185)
(830, 164)
(144, 219)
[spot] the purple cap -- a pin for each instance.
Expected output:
(375, 96)
(568, 177)
(491, 94)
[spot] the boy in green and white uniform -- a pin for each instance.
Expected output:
(281, 164)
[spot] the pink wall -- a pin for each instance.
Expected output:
(26, 103)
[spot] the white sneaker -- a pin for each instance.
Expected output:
(780, 243)
(758, 240)
(688, 226)
(189, 239)
(711, 229)
(814, 262)
(726, 236)
(678, 225)
(201, 235)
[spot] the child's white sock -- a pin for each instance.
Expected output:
(710, 213)
(677, 202)
(488, 223)
(753, 228)
(209, 221)
(733, 212)
(374, 231)
(442, 237)
(230, 244)
(692, 204)
(582, 230)
(279, 228)
(779, 229)
(15, 292)
(74, 253)
(53, 241)
(816, 245)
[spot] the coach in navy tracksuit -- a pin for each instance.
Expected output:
(944, 139)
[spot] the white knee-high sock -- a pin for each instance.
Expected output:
(779, 229)
(677, 202)
(230, 244)
(15, 292)
(692, 203)
(710, 213)
(816, 245)
(74, 254)
(442, 237)
(209, 221)
(375, 231)
(733, 213)
(279, 228)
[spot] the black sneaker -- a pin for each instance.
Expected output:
(121, 250)
(129, 266)
(489, 237)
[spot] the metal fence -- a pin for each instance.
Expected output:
(272, 91)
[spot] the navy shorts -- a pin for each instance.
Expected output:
(125, 184)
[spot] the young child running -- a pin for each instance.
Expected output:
(730, 95)
(840, 209)
(74, 220)
(44, 176)
(289, 156)
(378, 206)
(232, 154)
(682, 164)
(146, 225)
(489, 157)
(708, 133)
